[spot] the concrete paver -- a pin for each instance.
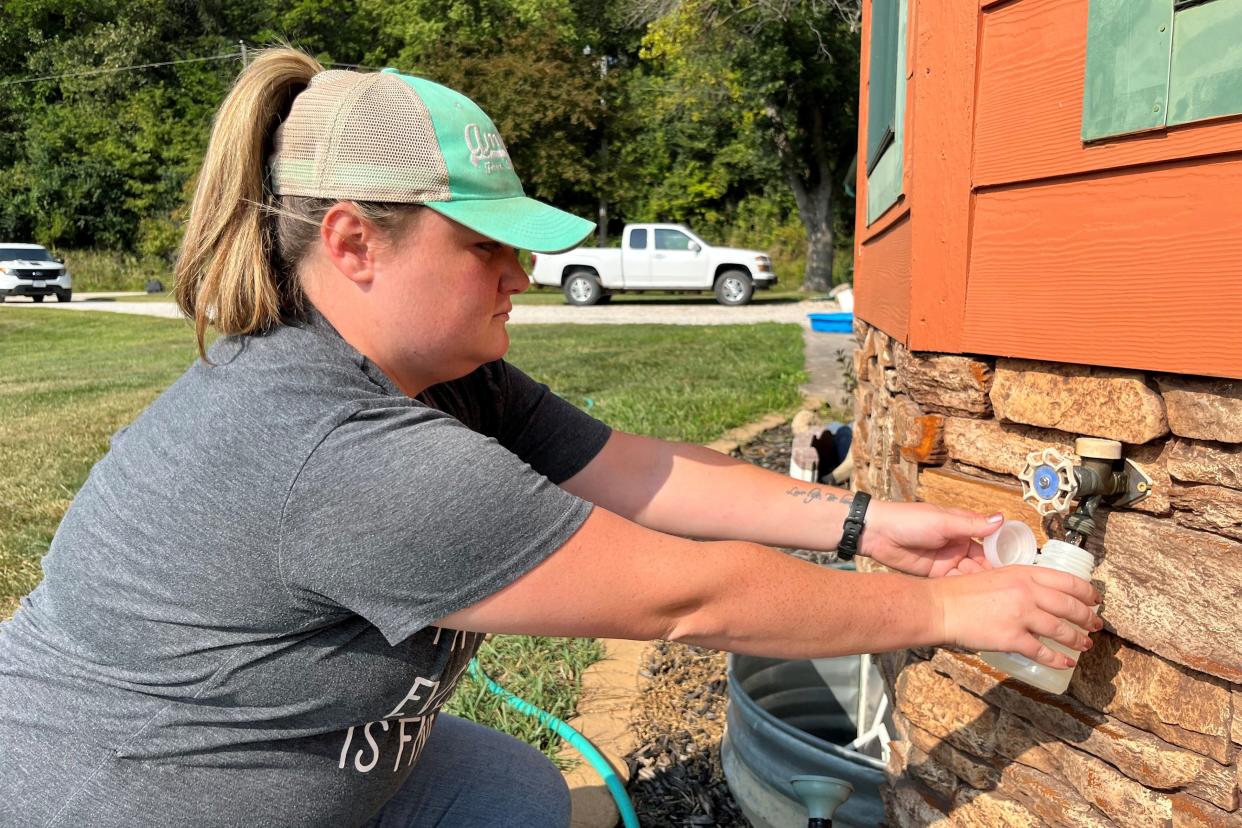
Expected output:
(825, 371)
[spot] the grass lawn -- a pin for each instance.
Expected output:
(70, 380)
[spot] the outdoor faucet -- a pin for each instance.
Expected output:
(1052, 480)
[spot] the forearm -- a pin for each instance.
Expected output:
(695, 492)
(762, 602)
(616, 579)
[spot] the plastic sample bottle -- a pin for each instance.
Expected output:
(1068, 558)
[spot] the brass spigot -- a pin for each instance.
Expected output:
(1051, 482)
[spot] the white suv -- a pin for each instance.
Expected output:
(29, 270)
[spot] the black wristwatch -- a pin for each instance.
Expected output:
(854, 523)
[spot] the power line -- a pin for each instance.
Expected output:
(229, 56)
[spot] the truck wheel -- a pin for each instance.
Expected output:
(734, 287)
(582, 288)
(64, 296)
(38, 298)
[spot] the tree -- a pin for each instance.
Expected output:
(793, 64)
(522, 61)
(101, 154)
(101, 150)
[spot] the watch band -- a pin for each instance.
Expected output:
(853, 529)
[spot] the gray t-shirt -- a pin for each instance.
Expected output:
(234, 627)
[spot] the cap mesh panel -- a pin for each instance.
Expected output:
(363, 137)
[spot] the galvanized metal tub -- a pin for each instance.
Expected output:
(792, 718)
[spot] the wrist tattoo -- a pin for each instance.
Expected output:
(818, 495)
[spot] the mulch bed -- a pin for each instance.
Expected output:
(675, 776)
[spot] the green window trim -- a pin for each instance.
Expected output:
(1152, 64)
(886, 105)
(882, 85)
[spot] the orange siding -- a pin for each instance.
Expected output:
(1032, 60)
(1137, 269)
(942, 107)
(883, 295)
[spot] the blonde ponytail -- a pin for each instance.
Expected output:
(227, 275)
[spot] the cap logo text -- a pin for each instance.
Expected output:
(486, 148)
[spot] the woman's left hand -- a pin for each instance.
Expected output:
(927, 540)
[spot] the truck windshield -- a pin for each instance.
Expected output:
(25, 254)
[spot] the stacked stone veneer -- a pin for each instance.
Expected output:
(1150, 730)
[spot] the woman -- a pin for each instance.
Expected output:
(263, 594)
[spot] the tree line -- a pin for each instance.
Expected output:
(737, 117)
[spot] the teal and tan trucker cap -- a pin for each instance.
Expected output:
(388, 137)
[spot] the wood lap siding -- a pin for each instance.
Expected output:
(1032, 59)
(886, 290)
(1133, 269)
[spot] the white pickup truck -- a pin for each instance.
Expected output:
(655, 257)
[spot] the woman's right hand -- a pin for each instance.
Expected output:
(1010, 608)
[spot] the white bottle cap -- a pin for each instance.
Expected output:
(1013, 543)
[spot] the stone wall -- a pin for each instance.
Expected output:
(1150, 730)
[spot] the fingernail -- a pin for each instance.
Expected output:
(996, 518)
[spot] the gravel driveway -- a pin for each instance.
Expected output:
(662, 313)
(167, 310)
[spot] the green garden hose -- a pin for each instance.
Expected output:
(576, 740)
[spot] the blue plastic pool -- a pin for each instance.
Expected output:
(832, 322)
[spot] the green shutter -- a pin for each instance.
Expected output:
(1126, 88)
(1157, 63)
(885, 174)
(882, 86)
(1206, 77)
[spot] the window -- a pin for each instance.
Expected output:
(886, 105)
(671, 240)
(638, 239)
(1158, 63)
(26, 254)
(882, 88)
